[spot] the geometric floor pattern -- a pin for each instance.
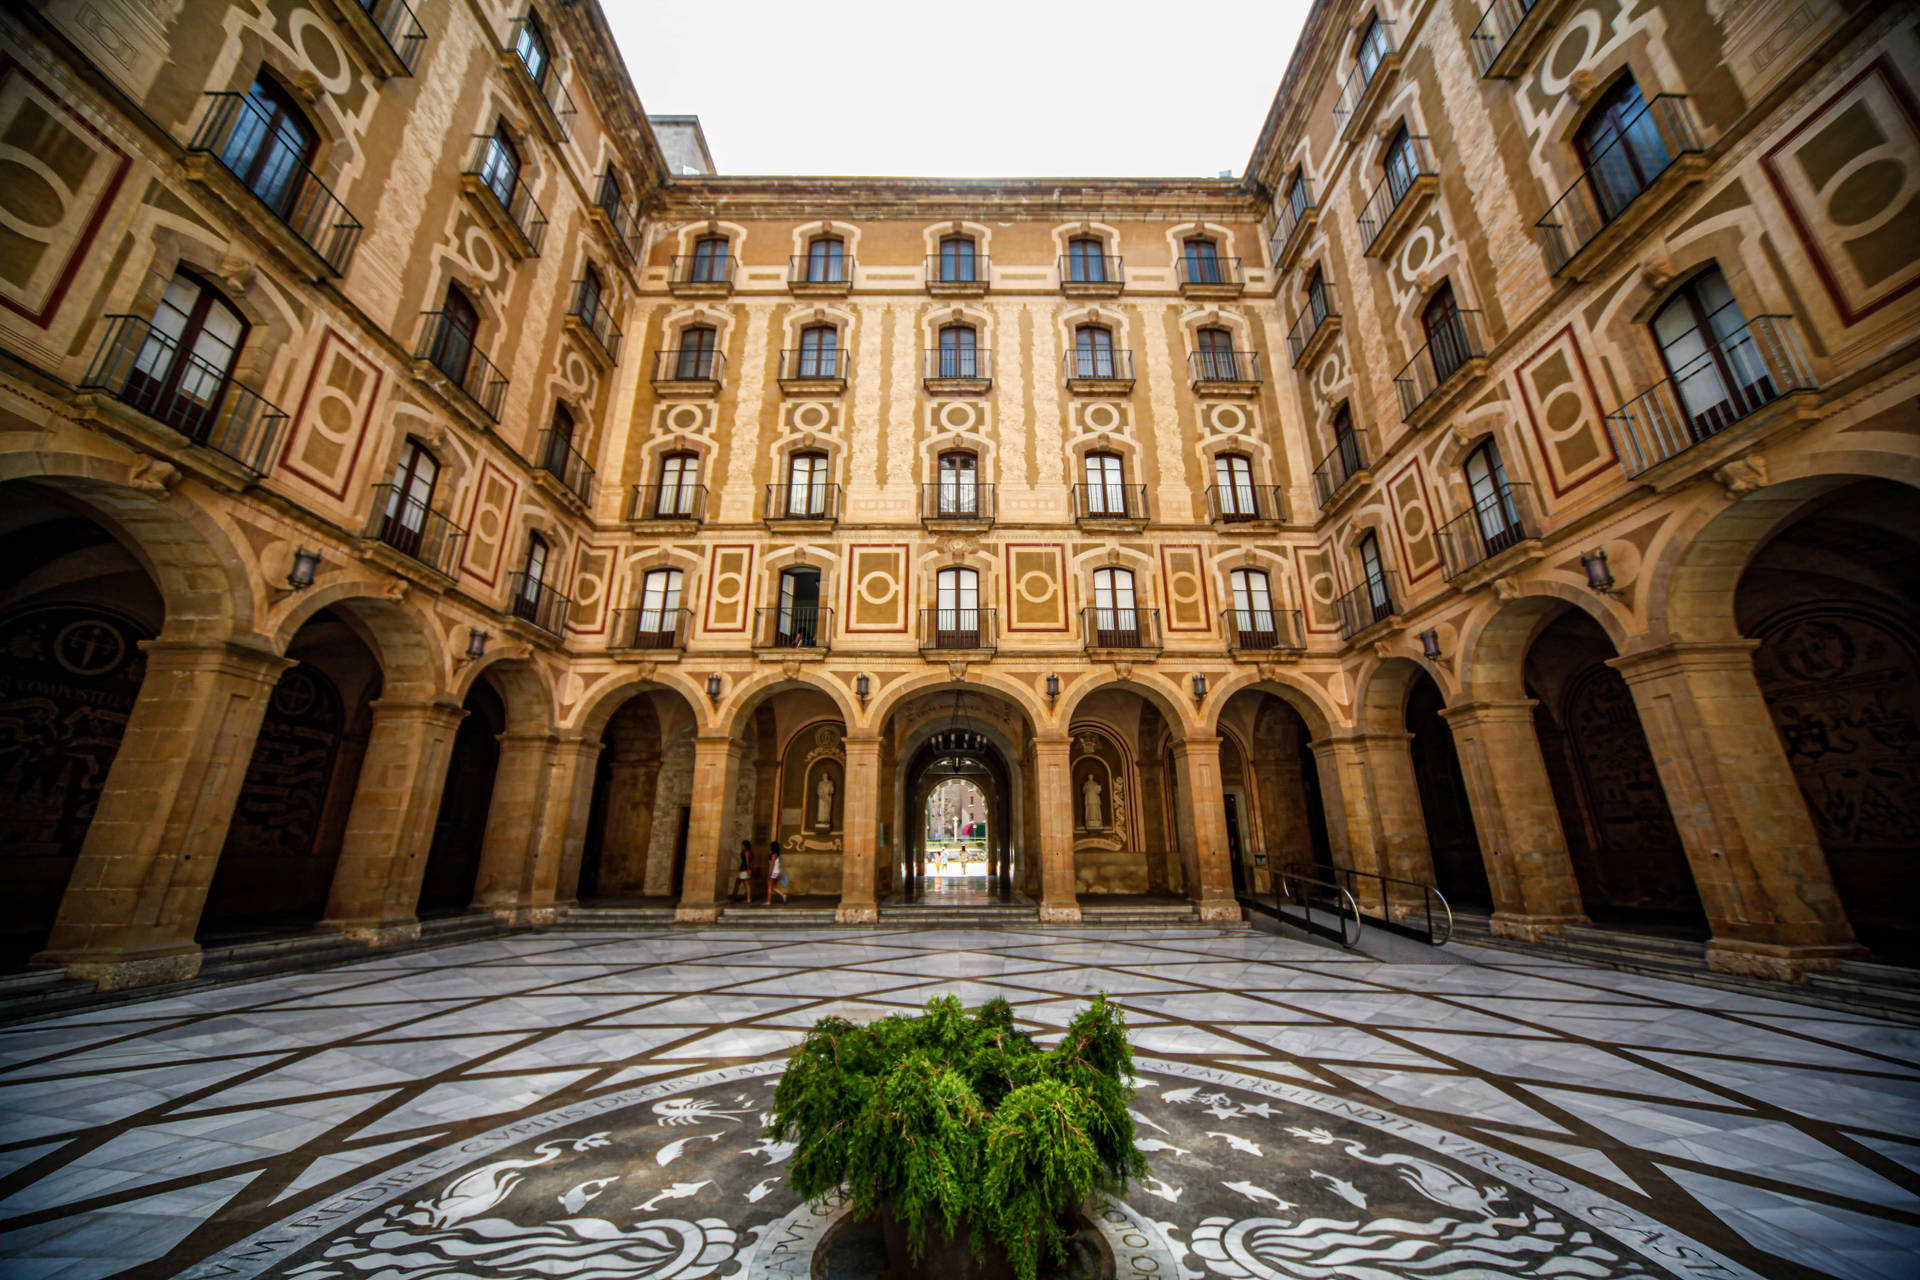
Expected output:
(572, 1103)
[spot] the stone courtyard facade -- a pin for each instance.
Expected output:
(423, 496)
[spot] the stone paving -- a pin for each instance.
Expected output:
(590, 1105)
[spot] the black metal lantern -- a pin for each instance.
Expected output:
(305, 564)
(1199, 688)
(1430, 645)
(1053, 686)
(476, 643)
(713, 686)
(1595, 563)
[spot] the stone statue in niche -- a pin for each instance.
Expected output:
(823, 801)
(1090, 793)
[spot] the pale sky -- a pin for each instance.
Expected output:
(993, 88)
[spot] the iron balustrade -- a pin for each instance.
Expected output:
(1099, 268)
(1108, 501)
(1265, 630)
(1305, 893)
(622, 214)
(1208, 271)
(803, 502)
(689, 364)
(1374, 600)
(959, 269)
(1394, 187)
(517, 201)
(1502, 519)
(804, 268)
(1368, 59)
(794, 626)
(1496, 30)
(971, 629)
(559, 459)
(1244, 503)
(1287, 215)
(398, 26)
(415, 530)
(954, 500)
(1734, 376)
(448, 346)
(1100, 365)
(957, 364)
(1223, 366)
(1120, 628)
(1315, 313)
(238, 133)
(651, 629)
(813, 364)
(545, 82)
(590, 309)
(670, 502)
(1395, 896)
(536, 602)
(144, 369)
(1646, 146)
(1450, 346)
(1347, 459)
(714, 268)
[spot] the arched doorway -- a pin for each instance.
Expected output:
(1281, 814)
(1452, 840)
(956, 833)
(642, 810)
(964, 739)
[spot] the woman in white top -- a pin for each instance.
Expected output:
(776, 875)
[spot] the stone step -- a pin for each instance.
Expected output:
(618, 917)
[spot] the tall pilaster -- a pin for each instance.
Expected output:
(716, 773)
(861, 821)
(1059, 901)
(1197, 766)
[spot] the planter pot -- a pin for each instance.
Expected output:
(944, 1257)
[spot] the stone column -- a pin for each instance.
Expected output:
(1196, 763)
(383, 855)
(505, 879)
(1346, 796)
(1534, 890)
(1756, 857)
(633, 777)
(134, 897)
(1059, 902)
(1153, 820)
(1400, 826)
(710, 866)
(860, 819)
(560, 832)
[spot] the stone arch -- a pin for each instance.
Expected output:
(1174, 705)
(413, 658)
(738, 704)
(887, 700)
(1384, 685)
(1494, 641)
(1310, 701)
(596, 706)
(521, 684)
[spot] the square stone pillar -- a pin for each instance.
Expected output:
(861, 821)
(505, 880)
(1346, 796)
(560, 833)
(383, 856)
(1522, 842)
(1756, 858)
(1400, 825)
(710, 867)
(1196, 763)
(1059, 901)
(134, 897)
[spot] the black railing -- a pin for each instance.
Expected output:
(701, 269)
(590, 308)
(957, 364)
(1095, 365)
(1732, 377)
(622, 214)
(537, 602)
(1496, 30)
(1648, 143)
(794, 626)
(1242, 503)
(508, 189)
(804, 268)
(1108, 501)
(1192, 272)
(813, 365)
(448, 346)
(656, 628)
(1346, 459)
(1317, 312)
(559, 459)
(399, 28)
(145, 369)
(1265, 630)
(415, 530)
(1287, 215)
(1374, 600)
(1223, 366)
(974, 269)
(1373, 51)
(239, 134)
(1497, 521)
(669, 502)
(1099, 269)
(546, 82)
(957, 628)
(954, 500)
(803, 502)
(1120, 627)
(1404, 171)
(689, 364)
(1404, 906)
(1296, 891)
(1451, 345)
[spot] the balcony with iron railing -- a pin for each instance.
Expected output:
(499, 191)
(1092, 275)
(1202, 277)
(542, 87)
(538, 604)
(958, 630)
(710, 275)
(618, 218)
(1246, 506)
(236, 152)
(793, 629)
(1293, 224)
(956, 503)
(1224, 373)
(1319, 320)
(959, 276)
(676, 503)
(446, 350)
(1372, 602)
(1656, 156)
(1263, 632)
(956, 369)
(1497, 523)
(416, 531)
(1404, 189)
(814, 370)
(650, 630)
(1509, 32)
(1099, 371)
(688, 370)
(1343, 469)
(1734, 378)
(1109, 504)
(1454, 356)
(807, 504)
(811, 276)
(143, 368)
(1120, 629)
(1374, 66)
(559, 463)
(386, 34)
(590, 316)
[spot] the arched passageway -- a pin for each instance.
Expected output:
(1458, 870)
(940, 739)
(642, 807)
(1278, 802)
(1125, 793)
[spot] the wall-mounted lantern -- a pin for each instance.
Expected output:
(1598, 576)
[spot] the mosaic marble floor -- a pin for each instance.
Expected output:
(590, 1105)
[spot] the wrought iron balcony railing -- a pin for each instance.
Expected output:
(398, 26)
(805, 269)
(1097, 269)
(536, 602)
(968, 628)
(1305, 325)
(1100, 366)
(1497, 521)
(415, 530)
(1208, 272)
(793, 626)
(143, 368)
(559, 459)
(702, 270)
(1109, 501)
(545, 80)
(1374, 600)
(622, 215)
(1368, 63)
(1265, 630)
(1734, 376)
(670, 502)
(689, 364)
(1117, 627)
(239, 133)
(1496, 30)
(650, 629)
(509, 190)
(957, 364)
(1288, 214)
(448, 346)
(803, 502)
(590, 309)
(1401, 179)
(1450, 346)
(811, 365)
(1245, 503)
(971, 269)
(1647, 145)
(1343, 462)
(1211, 367)
(952, 500)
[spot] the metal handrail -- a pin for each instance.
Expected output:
(800, 270)
(1115, 364)
(1347, 458)
(669, 502)
(143, 368)
(1308, 322)
(803, 502)
(450, 348)
(979, 268)
(538, 603)
(1108, 501)
(415, 530)
(1733, 377)
(1429, 895)
(689, 364)
(1496, 30)
(1107, 268)
(1368, 603)
(642, 628)
(1286, 217)
(1223, 366)
(795, 626)
(1241, 503)
(1455, 344)
(957, 364)
(798, 364)
(717, 268)
(399, 27)
(1502, 519)
(236, 132)
(1289, 882)
(1203, 272)
(546, 83)
(1355, 86)
(969, 629)
(559, 459)
(590, 308)
(1265, 630)
(1612, 181)
(518, 204)
(952, 501)
(1117, 628)
(1393, 187)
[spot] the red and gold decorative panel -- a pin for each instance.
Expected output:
(1036, 588)
(876, 589)
(493, 500)
(1563, 409)
(1183, 572)
(592, 575)
(331, 424)
(1318, 588)
(730, 589)
(1413, 521)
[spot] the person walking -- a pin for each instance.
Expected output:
(743, 879)
(776, 875)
